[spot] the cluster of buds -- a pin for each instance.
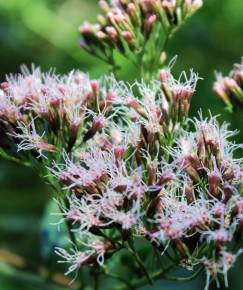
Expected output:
(127, 26)
(230, 88)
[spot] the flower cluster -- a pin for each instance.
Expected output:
(128, 166)
(188, 199)
(230, 88)
(127, 26)
(45, 113)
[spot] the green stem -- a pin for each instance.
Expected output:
(140, 263)
(28, 278)
(14, 159)
(116, 277)
(155, 276)
(184, 279)
(96, 281)
(69, 226)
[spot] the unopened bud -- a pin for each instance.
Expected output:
(164, 75)
(165, 178)
(149, 23)
(101, 35)
(189, 192)
(238, 75)
(97, 124)
(127, 36)
(133, 103)
(131, 9)
(152, 170)
(104, 6)
(231, 85)
(85, 28)
(95, 87)
(214, 180)
(110, 97)
(4, 86)
(74, 129)
(119, 152)
(111, 32)
(163, 57)
(116, 136)
(101, 20)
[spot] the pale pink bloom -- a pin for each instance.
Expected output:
(31, 140)
(75, 259)
(220, 265)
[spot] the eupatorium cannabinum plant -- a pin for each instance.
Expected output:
(133, 176)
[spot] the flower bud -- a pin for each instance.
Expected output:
(152, 170)
(97, 124)
(164, 75)
(127, 35)
(4, 86)
(165, 178)
(111, 32)
(149, 23)
(101, 20)
(116, 136)
(238, 76)
(104, 6)
(95, 87)
(163, 57)
(214, 180)
(101, 35)
(132, 11)
(189, 192)
(231, 85)
(119, 152)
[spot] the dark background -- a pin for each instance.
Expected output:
(45, 32)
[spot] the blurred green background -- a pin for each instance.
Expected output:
(45, 32)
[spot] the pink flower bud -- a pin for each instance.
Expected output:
(110, 97)
(214, 180)
(164, 75)
(132, 102)
(111, 32)
(104, 6)
(98, 123)
(4, 86)
(149, 23)
(119, 152)
(170, 5)
(85, 28)
(230, 84)
(127, 36)
(101, 35)
(55, 102)
(116, 136)
(166, 178)
(78, 78)
(95, 87)
(62, 88)
(74, 215)
(131, 9)
(238, 75)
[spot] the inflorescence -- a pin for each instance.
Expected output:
(230, 88)
(138, 29)
(127, 167)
